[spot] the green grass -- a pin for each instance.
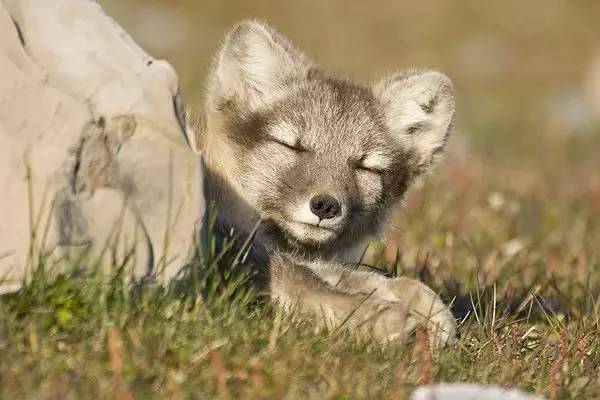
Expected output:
(529, 311)
(507, 229)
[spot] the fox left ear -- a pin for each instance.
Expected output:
(418, 109)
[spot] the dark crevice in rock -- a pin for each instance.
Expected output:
(76, 167)
(19, 33)
(71, 223)
(180, 115)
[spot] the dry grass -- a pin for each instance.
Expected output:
(508, 228)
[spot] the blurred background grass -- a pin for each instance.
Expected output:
(521, 69)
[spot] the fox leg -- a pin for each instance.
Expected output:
(297, 285)
(424, 304)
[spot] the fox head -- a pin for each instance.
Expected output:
(319, 159)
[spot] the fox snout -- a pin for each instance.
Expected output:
(325, 206)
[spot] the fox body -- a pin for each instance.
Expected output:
(320, 162)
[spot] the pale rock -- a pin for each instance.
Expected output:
(93, 144)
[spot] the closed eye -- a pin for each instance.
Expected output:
(364, 164)
(369, 169)
(411, 130)
(297, 147)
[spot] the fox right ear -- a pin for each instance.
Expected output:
(418, 109)
(253, 66)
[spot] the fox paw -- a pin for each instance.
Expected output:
(425, 308)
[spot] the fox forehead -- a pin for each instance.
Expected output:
(329, 113)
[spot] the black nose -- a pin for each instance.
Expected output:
(325, 206)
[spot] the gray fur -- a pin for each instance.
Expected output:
(280, 131)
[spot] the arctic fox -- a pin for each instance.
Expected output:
(321, 162)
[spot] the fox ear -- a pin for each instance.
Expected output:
(418, 108)
(254, 65)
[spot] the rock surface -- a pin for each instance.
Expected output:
(94, 149)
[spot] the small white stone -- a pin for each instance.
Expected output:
(469, 391)
(513, 247)
(496, 201)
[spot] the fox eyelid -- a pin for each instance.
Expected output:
(411, 130)
(295, 147)
(371, 170)
(360, 166)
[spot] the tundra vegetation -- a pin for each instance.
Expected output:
(507, 229)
